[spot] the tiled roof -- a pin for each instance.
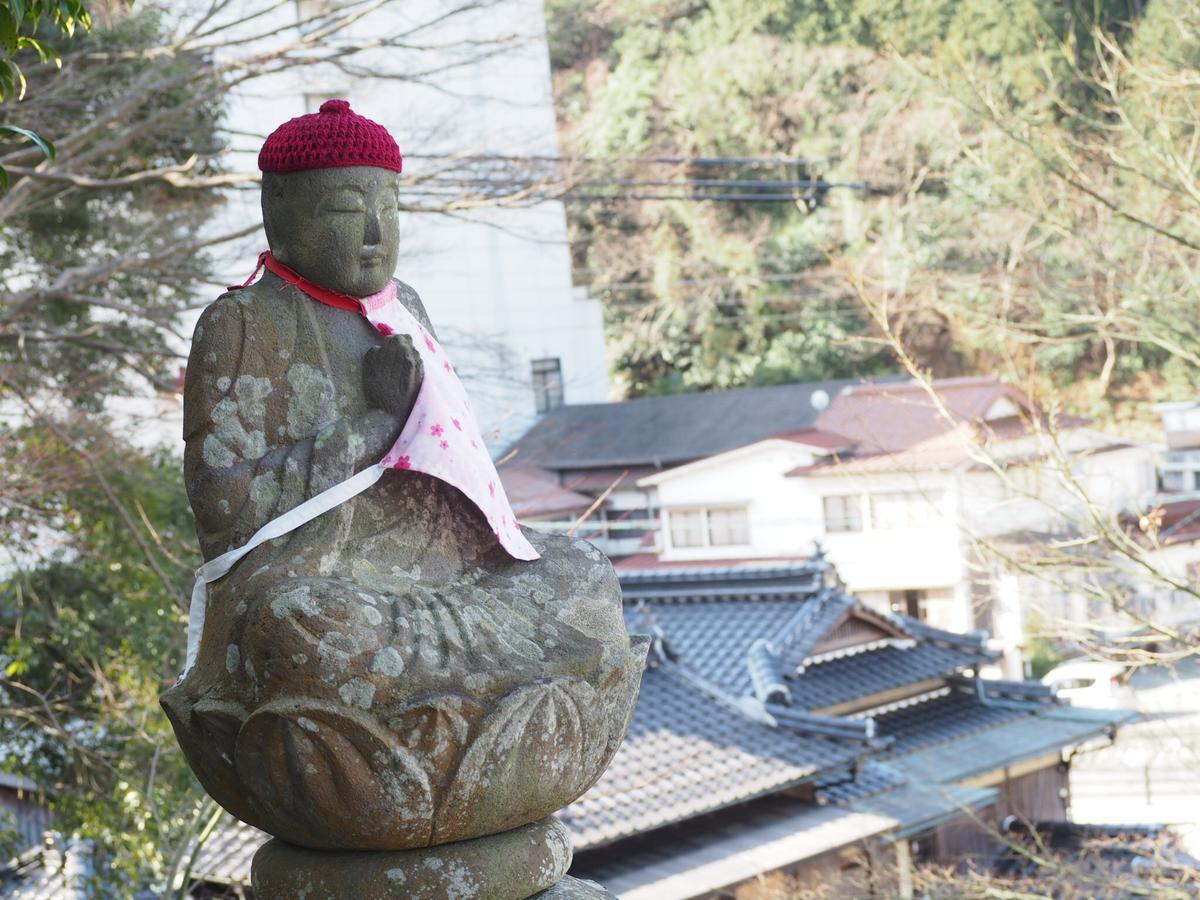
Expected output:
(1007, 743)
(668, 430)
(859, 675)
(944, 716)
(886, 418)
(687, 754)
(744, 579)
(712, 637)
(813, 621)
(871, 779)
(226, 856)
(706, 854)
(56, 870)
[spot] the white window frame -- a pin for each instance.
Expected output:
(706, 541)
(862, 513)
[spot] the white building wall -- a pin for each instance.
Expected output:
(496, 282)
(1039, 497)
(929, 557)
(784, 520)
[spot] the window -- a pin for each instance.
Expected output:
(904, 509)
(728, 527)
(843, 513)
(687, 528)
(715, 527)
(547, 384)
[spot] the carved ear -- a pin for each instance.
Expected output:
(273, 198)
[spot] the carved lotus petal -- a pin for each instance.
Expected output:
(212, 727)
(436, 730)
(331, 778)
(610, 714)
(523, 765)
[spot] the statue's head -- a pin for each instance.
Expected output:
(329, 199)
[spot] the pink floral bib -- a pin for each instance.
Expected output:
(441, 437)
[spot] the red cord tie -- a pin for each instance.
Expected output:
(335, 299)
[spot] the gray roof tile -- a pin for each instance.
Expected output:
(687, 754)
(812, 622)
(871, 779)
(943, 717)
(712, 637)
(1007, 743)
(848, 678)
(668, 430)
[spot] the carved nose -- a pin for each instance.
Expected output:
(373, 234)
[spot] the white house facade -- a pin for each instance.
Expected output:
(915, 530)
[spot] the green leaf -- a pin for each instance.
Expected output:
(8, 31)
(4, 179)
(45, 52)
(18, 10)
(45, 145)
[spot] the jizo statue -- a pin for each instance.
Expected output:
(384, 671)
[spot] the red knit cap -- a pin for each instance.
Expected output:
(334, 137)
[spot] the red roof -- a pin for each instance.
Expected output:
(816, 437)
(900, 426)
(1176, 521)
(885, 418)
(534, 492)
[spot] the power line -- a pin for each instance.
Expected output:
(659, 160)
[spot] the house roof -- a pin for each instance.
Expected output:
(944, 715)
(900, 427)
(706, 854)
(669, 430)
(740, 578)
(816, 437)
(1007, 743)
(890, 417)
(687, 754)
(1177, 519)
(646, 568)
(56, 870)
(884, 669)
(535, 492)
(712, 618)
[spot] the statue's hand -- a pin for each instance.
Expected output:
(392, 374)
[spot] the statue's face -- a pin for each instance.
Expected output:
(338, 228)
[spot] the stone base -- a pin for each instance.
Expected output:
(512, 865)
(576, 889)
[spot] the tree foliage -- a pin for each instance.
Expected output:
(1017, 172)
(90, 631)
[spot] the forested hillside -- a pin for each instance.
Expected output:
(982, 186)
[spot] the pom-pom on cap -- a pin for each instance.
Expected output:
(334, 137)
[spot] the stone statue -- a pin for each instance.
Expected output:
(402, 688)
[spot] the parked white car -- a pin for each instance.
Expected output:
(1088, 682)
